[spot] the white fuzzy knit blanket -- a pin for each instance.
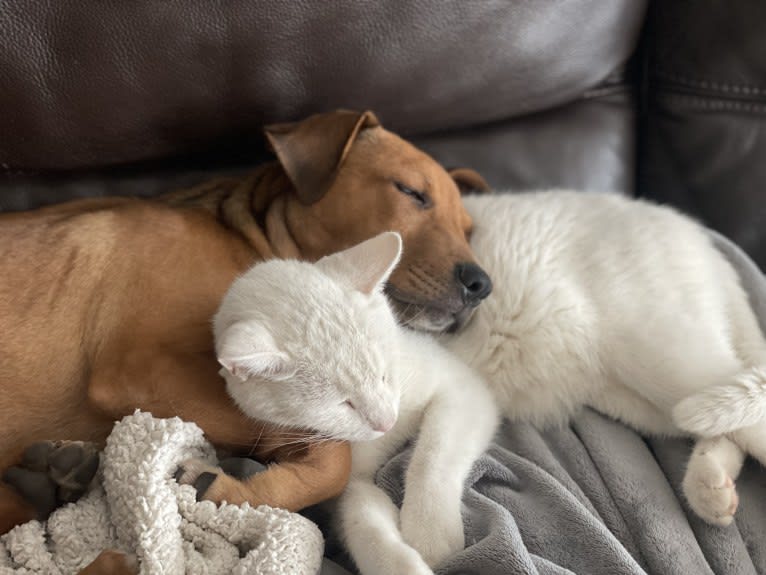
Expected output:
(135, 505)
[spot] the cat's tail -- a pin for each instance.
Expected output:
(726, 407)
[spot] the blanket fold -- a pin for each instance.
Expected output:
(135, 505)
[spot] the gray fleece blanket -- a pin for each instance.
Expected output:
(596, 498)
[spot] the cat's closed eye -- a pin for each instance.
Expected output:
(349, 403)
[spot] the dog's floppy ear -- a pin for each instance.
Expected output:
(311, 151)
(469, 181)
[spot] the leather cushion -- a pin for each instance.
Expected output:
(704, 144)
(86, 84)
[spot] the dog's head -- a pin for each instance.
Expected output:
(353, 179)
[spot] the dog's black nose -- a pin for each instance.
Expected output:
(474, 281)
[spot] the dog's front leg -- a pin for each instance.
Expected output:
(187, 386)
(296, 480)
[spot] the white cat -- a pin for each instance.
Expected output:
(627, 307)
(317, 346)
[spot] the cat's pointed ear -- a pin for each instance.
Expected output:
(247, 349)
(366, 266)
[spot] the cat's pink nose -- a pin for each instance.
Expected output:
(383, 425)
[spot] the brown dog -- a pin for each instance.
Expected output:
(105, 304)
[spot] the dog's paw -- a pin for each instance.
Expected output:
(221, 484)
(72, 466)
(200, 475)
(112, 562)
(53, 473)
(241, 468)
(710, 491)
(36, 487)
(432, 528)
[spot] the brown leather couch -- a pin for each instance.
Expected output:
(665, 100)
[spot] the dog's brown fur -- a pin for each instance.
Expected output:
(111, 562)
(105, 304)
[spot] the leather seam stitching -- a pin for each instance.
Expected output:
(744, 89)
(715, 104)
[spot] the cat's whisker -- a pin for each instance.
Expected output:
(302, 439)
(419, 312)
(413, 317)
(406, 380)
(257, 441)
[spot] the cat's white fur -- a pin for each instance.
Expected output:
(627, 307)
(316, 345)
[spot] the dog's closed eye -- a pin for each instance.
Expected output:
(421, 198)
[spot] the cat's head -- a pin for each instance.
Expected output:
(314, 346)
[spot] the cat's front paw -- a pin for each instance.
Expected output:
(710, 491)
(410, 562)
(432, 528)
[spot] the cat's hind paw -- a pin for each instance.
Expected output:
(710, 491)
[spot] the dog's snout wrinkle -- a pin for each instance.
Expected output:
(425, 280)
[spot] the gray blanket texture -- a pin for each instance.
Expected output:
(596, 498)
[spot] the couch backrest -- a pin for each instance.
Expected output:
(86, 84)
